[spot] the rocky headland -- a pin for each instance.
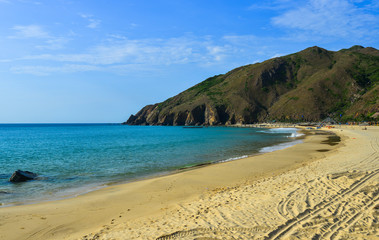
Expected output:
(309, 85)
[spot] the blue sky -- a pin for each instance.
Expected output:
(100, 61)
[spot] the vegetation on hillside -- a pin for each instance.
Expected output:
(306, 86)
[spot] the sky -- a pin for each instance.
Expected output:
(98, 61)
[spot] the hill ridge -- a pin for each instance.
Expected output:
(305, 86)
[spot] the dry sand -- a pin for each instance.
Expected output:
(309, 191)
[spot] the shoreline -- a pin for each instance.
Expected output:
(82, 190)
(121, 204)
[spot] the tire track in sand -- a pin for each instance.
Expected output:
(322, 215)
(326, 220)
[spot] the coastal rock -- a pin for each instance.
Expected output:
(22, 176)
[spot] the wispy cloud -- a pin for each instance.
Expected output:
(53, 43)
(47, 41)
(146, 51)
(121, 55)
(250, 46)
(241, 40)
(277, 55)
(128, 54)
(133, 25)
(29, 31)
(338, 19)
(275, 5)
(40, 70)
(92, 22)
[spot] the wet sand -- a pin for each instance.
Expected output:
(314, 189)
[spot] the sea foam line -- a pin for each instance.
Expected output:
(279, 146)
(295, 135)
(232, 159)
(293, 131)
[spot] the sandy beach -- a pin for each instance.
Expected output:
(319, 189)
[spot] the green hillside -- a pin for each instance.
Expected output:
(305, 86)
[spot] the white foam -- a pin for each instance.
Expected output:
(263, 131)
(293, 131)
(279, 146)
(296, 134)
(232, 159)
(282, 130)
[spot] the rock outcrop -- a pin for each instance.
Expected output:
(306, 86)
(22, 176)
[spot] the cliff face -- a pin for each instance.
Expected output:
(309, 85)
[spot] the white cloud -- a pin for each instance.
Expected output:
(133, 25)
(277, 55)
(47, 70)
(29, 31)
(250, 46)
(144, 51)
(217, 52)
(93, 23)
(274, 5)
(241, 40)
(264, 6)
(53, 43)
(37, 32)
(338, 18)
(121, 55)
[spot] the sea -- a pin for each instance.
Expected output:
(73, 159)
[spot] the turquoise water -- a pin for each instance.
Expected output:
(75, 158)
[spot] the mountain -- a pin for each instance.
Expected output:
(309, 85)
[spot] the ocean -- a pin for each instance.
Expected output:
(73, 159)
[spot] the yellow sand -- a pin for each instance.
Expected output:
(295, 193)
